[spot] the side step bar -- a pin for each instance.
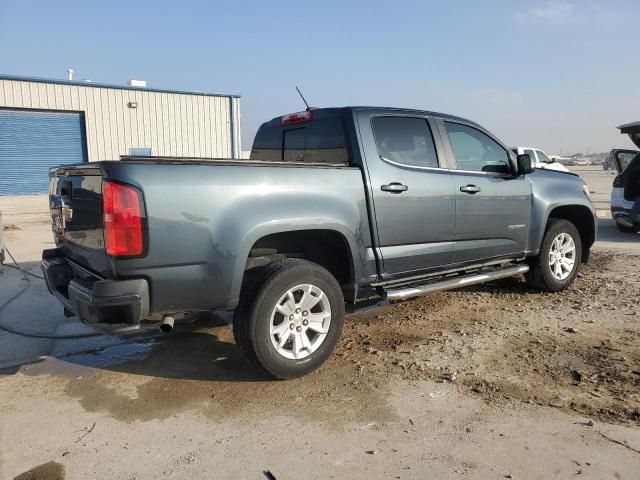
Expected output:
(456, 282)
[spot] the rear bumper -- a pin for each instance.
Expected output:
(626, 212)
(114, 306)
(627, 216)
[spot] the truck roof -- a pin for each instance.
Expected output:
(326, 112)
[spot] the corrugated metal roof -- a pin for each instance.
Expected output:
(106, 85)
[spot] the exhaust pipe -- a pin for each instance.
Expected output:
(167, 324)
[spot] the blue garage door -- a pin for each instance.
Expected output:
(32, 141)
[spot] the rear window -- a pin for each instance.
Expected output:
(319, 141)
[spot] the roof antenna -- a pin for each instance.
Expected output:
(303, 99)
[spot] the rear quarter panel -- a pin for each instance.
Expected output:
(204, 219)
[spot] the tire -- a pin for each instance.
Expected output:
(257, 316)
(542, 275)
(625, 229)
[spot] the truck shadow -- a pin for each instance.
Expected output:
(203, 353)
(203, 350)
(513, 285)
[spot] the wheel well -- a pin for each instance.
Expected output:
(327, 248)
(582, 218)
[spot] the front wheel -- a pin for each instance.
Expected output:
(290, 317)
(556, 266)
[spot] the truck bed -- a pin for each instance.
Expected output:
(228, 161)
(203, 217)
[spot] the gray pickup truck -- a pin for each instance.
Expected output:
(334, 206)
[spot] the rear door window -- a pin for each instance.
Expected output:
(405, 140)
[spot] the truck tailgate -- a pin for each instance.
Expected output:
(75, 203)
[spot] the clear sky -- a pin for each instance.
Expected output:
(560, 75)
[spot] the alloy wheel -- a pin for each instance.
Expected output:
(562, 256)
(300, 321)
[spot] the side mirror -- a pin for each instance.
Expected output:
(502, 168)
(553, 160)
(525, 165)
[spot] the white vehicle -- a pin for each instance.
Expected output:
(582, 163)
(540, 159)
(625, 194)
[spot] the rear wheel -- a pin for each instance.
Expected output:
(625, 229)
(290, 317)
(555, 268)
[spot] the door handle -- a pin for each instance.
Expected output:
(472, 189)
(394, 187)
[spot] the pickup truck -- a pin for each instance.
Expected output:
(334, 206)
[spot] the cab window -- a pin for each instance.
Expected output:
(475, 151)
(405, 140)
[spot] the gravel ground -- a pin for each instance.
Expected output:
(575, 350)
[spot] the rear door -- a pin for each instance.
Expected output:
(493, 208)
(412, 191)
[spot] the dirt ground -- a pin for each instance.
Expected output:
(492, 381)
(576, 351)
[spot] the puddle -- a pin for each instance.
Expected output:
(47, 471)
(203, 371)
(77, 364)
(113, 355)
(33, 327)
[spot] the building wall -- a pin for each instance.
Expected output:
(170, 124)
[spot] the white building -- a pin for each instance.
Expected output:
(44, 123)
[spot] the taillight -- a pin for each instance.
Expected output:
(122, 213)
(299, 117)
(617, 182)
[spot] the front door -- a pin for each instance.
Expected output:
(493, 207)
(413, 197)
